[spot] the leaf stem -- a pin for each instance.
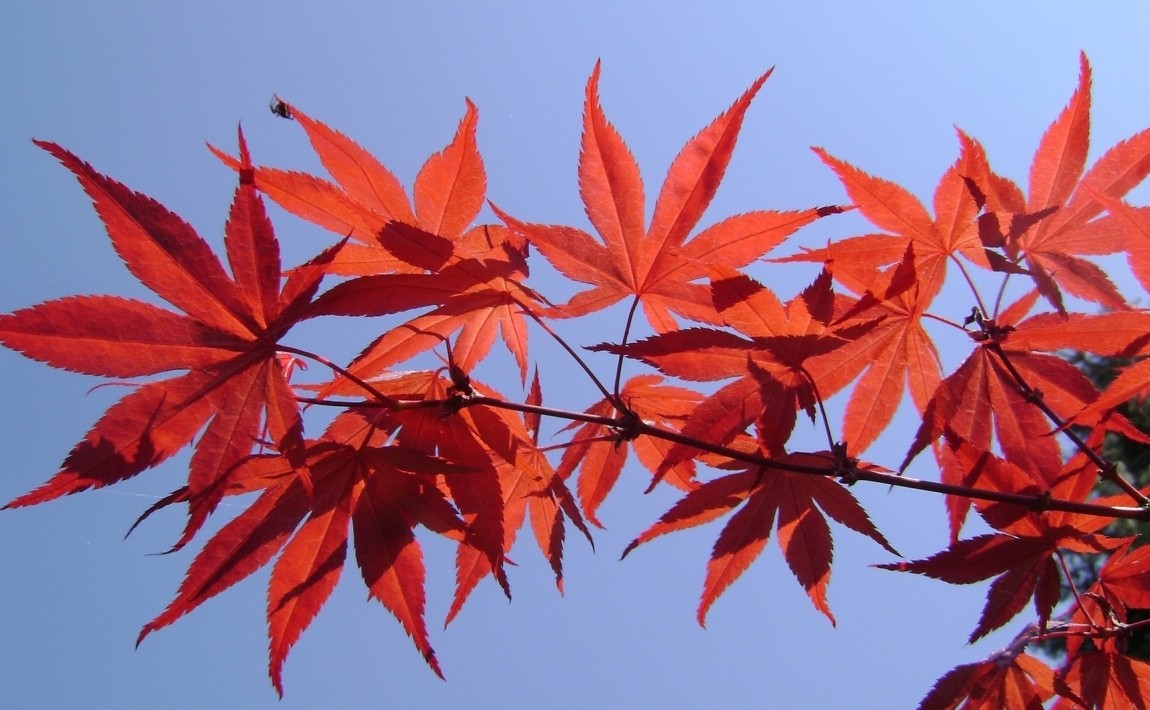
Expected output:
(381, 397)
(1074, 588)
(570, 351)
(969, 281)
(623, 344)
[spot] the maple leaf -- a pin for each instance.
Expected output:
(1104, 679)
(1124, 581)
(540, 488)
(478, 492)
(1117, 334)
(897, 353)
(368, 203)
(657, 266)
(380, 490)
(1060, 186)
(1022, 566)
(412, 255)
(235, 385)
(898, 274)
(242, 546)
(476, 300)
(506, 476)
(935, 241)
(763, 494)
(526, 482)
(1002, 681)
(1121, 586)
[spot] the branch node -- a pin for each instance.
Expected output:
(846, 467)
(627, 426)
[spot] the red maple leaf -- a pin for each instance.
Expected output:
(936, 241)
(1104, 679)
(764, 494)
(658, 266)
(234, 386)
(527, 483)
(381, 491)
(1001, 681)
(1124, 581)
(1122, 585)
(898, 274)
(1120, 334)
(992, 398)
(502, 473)
(368, 203)
(1061, 187)
(412, 256)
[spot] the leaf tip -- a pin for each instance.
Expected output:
(626, 551)
(147, 629)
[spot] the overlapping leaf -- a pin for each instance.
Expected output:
(1105, 679)
(1020, 681)
(599, 451)
(991, 400)
(227, 341)
(381, 491)
(899, 273)
(785, 363)
(505, 476)
(410, 256)
(1022, 556)
(1053, 248)
(659, 266)
(764, 495)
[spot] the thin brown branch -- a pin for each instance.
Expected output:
(1037, 503)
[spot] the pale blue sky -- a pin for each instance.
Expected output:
(136, 88)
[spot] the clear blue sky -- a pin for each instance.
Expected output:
(136, 88)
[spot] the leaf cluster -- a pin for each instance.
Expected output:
(422, 446)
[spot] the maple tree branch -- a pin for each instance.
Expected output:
(1068, 630)
(1034, 502)
(636, 427)
(1127, 628)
